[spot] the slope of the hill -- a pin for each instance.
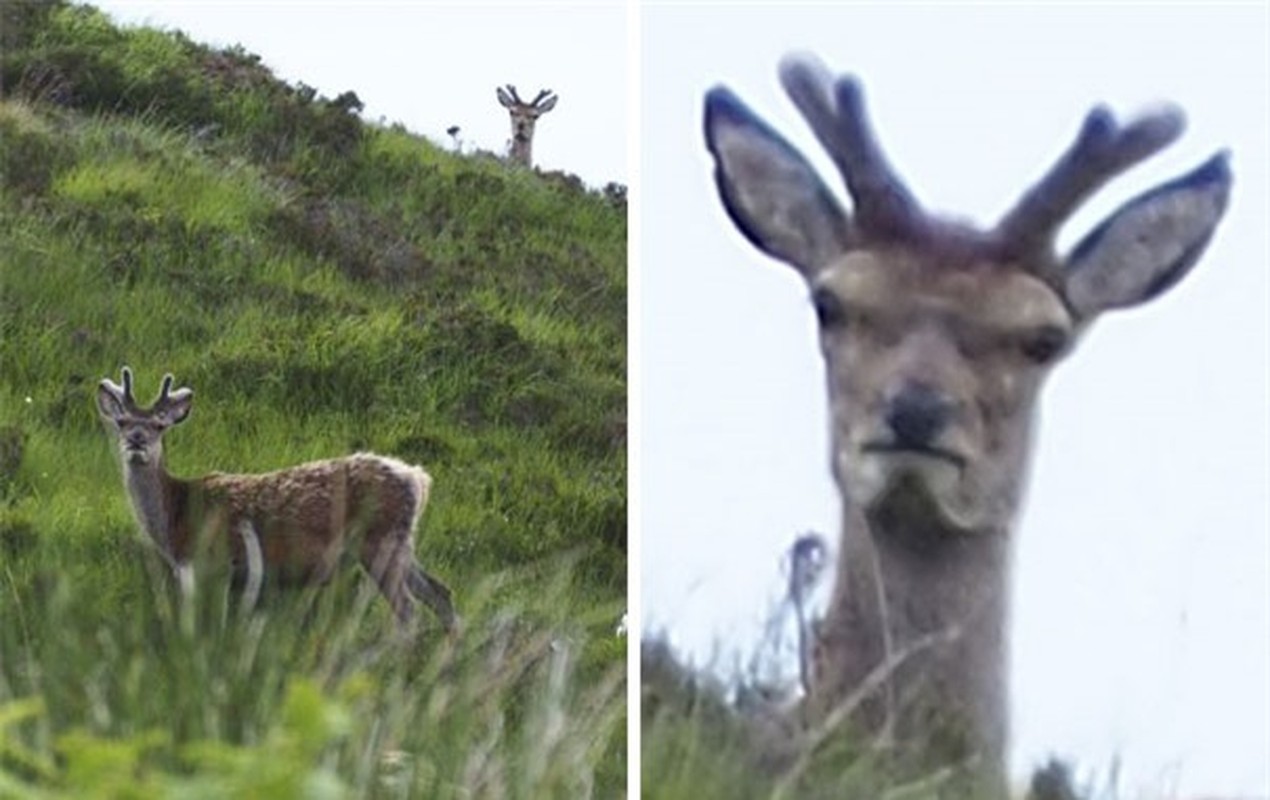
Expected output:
(325, 286)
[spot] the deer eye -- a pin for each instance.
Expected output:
(1044, 345)
(829, 309)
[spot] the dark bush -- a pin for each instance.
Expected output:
(361, 243)
(12, 446)
(30, 156)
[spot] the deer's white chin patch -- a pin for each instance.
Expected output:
(876, 472)
(136, 456)
(915, 502)
(875, 478)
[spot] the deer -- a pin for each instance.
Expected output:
(936, 337)
(524, 116)
(293, 525)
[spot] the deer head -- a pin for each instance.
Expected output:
(937, 336)
(524, 115)
(543, 102)
(140, 430)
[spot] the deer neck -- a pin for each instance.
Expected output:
(522, 142)
(520, 150)
(932, 602)
(156, 499)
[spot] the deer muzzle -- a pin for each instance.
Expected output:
(916, 424)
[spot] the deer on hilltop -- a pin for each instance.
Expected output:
(292, 525)
(937, 338)
(524, 116)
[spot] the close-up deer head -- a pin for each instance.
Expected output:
(936, 338)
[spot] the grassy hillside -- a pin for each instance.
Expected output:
(325, 286)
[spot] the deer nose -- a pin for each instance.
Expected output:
(917, 414)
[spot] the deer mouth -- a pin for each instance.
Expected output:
(923, 452)
(135, 455)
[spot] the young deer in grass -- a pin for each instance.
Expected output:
(293, 525)
(936, 339)
(524, 116)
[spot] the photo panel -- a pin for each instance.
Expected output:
(1129, 544)
(313, 399)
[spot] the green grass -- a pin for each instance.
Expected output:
(196, 698)
(704, 737)
(697, 742)
(325, 286)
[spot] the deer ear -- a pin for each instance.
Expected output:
(109, 402)
(177, 407)
(771, 192)
(548, 104)
(504, 99)
(1150, 243)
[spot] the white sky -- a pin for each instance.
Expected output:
(433, 65)
(1141, 626)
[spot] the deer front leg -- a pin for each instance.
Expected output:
(435, 594)
(389, 561)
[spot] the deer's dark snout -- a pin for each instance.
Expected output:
(917, 413)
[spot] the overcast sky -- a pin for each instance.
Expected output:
(432, 65)
(1140, 624)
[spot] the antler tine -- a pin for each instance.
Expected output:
(1101, 151)
(167, 398)
(541, 96)
(512, 91)
(122, 394)
(127, 387)
(835, 110)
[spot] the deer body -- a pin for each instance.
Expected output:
(293, 525)
(524, 116)
(937, 338)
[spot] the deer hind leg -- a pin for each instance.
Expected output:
(434, 593)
